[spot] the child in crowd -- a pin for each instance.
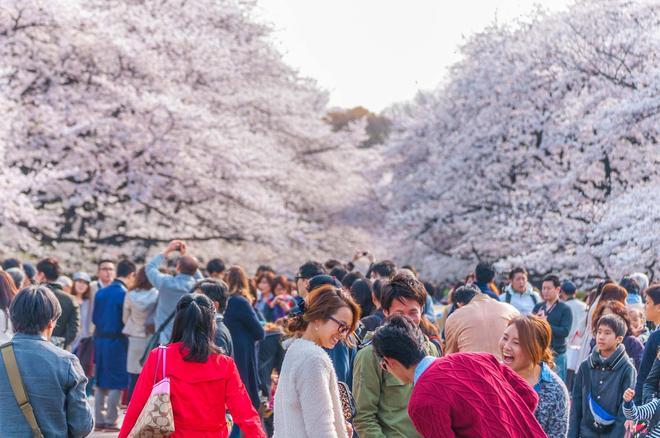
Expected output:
(600, 382)
(645, 412)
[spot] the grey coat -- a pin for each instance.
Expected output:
(55, 384)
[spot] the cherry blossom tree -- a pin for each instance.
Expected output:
(540, 149)
(131, 122)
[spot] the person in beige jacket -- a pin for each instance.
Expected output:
(478, 322)
(138, 317)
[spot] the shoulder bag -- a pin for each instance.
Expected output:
(156, 419)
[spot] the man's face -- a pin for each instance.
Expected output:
(407, 307)
(301, 286)
(106, 272)
(549, 291)
(519, 282)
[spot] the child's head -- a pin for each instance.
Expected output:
(637, 321)
(216, 290)
(610, 331)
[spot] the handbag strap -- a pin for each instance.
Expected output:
(162, 354)
(17, 387)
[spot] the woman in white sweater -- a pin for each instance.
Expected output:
(307, 400)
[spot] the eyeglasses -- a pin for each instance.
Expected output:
(343, 327)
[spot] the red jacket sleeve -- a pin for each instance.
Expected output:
(240, 405)
(140, 394)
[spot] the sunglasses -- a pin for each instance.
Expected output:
(343, 327)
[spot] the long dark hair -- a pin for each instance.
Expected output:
(194, 326)
(361, 293)
(141, 280)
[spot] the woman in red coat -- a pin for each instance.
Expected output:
(203, 382)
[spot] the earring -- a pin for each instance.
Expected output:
(317, 328)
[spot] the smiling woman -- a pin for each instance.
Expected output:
(525, 347)
(307, 401)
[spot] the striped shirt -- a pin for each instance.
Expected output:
(644, 412)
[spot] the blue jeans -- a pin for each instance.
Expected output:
(560, 366)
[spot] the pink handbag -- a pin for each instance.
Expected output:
(156, 420)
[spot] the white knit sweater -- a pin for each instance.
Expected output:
(307, 401)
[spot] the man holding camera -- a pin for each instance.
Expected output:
(172, 287)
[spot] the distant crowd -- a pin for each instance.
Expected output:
(174, 348)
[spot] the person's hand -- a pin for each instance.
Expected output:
(173, 246)
(629, 426)
(628, 395)
(358, 255)
(542, 315)
(349, 430)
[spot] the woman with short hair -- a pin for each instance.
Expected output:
(307, 402)
(525, 347)
(204, 382)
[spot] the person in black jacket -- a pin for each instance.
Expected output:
(216, 291)
(560, 318)
(68, 325)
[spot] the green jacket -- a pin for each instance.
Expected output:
(381, 400)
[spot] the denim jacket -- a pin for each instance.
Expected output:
(55, 384)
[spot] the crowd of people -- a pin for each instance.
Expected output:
(175, 348)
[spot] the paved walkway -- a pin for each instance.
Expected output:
(101, 434)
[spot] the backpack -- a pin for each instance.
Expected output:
(507, 298)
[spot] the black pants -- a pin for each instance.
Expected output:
(132, 380)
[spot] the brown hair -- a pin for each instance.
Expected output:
(615, 307)
(141, 280)
(269, 278)
(7, 290)
(88, 289)
(282, 281)
(613, 292)
(320, 305)
(534, 336)
(237, 280)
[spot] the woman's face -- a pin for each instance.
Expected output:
(279, 290)
(512, 353)
(330, 332)
(264, 286)
(79, 287)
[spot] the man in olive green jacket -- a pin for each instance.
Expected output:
(382, 400)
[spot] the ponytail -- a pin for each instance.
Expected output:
(194, 327)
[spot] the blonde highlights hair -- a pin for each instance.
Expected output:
(534, 335)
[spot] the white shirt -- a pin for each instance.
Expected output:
(579, 312)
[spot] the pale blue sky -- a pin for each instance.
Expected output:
(376, 52)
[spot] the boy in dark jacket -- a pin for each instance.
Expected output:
(600, 382)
